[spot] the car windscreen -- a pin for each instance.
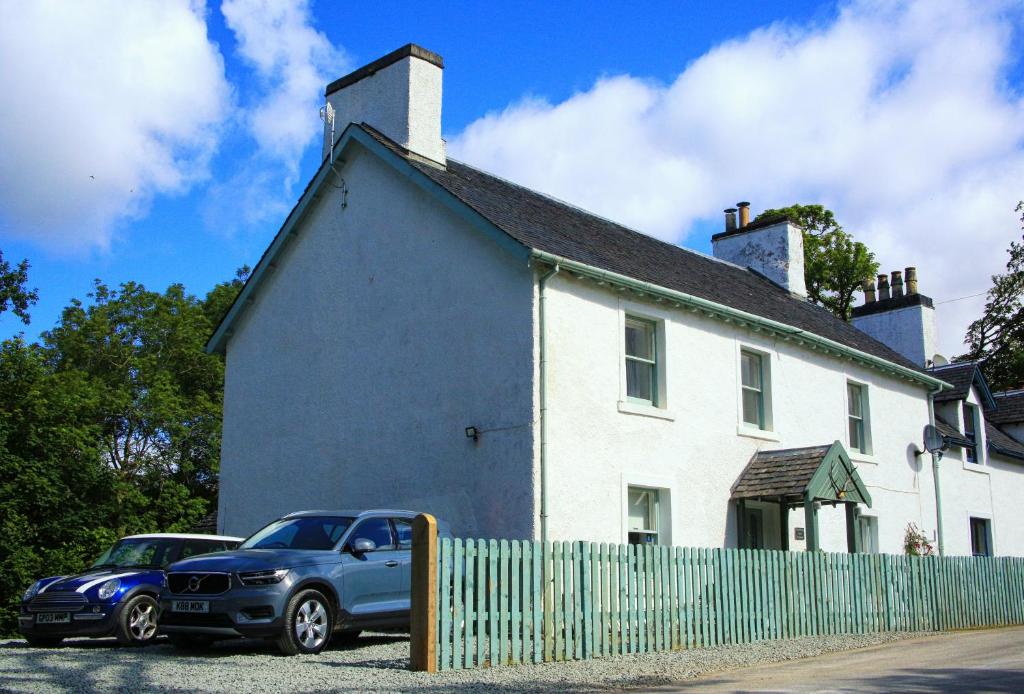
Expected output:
(139, 551)
(304, 532)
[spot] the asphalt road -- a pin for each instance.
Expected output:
(971, 661)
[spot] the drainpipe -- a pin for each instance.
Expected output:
(936, 456)
(541, 283)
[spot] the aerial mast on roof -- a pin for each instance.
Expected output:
(327, 116)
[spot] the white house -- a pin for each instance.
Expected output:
(424, 334)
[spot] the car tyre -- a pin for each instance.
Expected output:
(190, 642)
(308, 622)
(43, 641)
(137, 622)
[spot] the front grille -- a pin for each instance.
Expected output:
(190, 619)
(61, 601)
(196, 583)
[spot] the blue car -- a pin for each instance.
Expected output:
(117, 596)
(299, 581)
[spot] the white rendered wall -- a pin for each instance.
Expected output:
(386, 329)
(692, 447)
(909, 331)
(776, 251)
(403, 101)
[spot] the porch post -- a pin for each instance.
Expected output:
(811, 521)
(852, 541)
(783, 526)
(741, 523)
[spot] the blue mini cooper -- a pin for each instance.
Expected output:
(117, 596)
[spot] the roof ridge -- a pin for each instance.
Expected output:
(590, 213)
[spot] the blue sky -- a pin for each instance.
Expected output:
(165, 142)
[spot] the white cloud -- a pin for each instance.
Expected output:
(292, 63)
(104, 105)
(897, 116)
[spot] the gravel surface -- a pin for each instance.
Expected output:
(377, 662)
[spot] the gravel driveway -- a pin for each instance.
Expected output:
(377, 663)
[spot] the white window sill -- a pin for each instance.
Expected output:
(645, 410)
(863, 458)
(755, 433)
(975, 467)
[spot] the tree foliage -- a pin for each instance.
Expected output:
(110, 425)
(14, 294)
(835, 265)
(997, 338)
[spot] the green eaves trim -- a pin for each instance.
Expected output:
(218, 342)
(740, 318)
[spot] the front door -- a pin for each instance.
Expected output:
(753, 529)
(374, 592)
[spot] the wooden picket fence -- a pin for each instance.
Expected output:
(504, 602)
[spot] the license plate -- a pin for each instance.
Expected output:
(190, 606)
(53, 618)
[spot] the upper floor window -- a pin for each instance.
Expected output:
(857, 416)
(753, 383)
(970, 433)
(641, 361)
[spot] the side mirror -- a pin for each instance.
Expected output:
(363, 545)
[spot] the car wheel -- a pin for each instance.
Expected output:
(43, 641)
(307, 625)
(190, 642)
(137, 623)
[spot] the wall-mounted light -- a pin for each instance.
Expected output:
(473, 433)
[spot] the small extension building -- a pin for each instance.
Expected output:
(424, 334)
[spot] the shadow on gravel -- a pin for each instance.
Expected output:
(36, 671)
(932, 680)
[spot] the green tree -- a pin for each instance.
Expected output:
(997, 338)
(14, 295)
(835, 265)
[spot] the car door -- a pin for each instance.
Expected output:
(403, 538)
(373, 580)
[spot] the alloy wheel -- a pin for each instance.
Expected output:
(311, 624)
(142, 622)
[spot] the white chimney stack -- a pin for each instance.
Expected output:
(774, 248)
(399, 95)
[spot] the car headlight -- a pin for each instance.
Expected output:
(32, 591)
(108, 589)
(263, 578)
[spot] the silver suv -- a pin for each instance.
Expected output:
(300, 580)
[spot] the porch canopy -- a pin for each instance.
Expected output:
(804, 477)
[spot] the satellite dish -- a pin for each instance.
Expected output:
(939, 360)
(933, 440)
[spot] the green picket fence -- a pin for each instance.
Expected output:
(503, 602)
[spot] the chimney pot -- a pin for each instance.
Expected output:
(911, 277)
(897, 283)
(730, 219)
(869, 291)
(883, 287)
(744, 213)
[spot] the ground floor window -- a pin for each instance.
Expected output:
(867, 526)
(643, 516)
(981, 537)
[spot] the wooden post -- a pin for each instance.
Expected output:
(783, 526)
(741, 523)
(811, 520)
(423, 615)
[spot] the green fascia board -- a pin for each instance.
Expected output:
(740, 318)
(353, 133)
(820, 488)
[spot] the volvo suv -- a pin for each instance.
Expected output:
(299, 581)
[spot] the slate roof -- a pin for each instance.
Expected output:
(960, 376)
(1002, 443)
(540, 222)
(784, 473)
(207, 524)
(1009, 408)
(951, 432)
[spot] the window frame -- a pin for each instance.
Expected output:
(864, 417)
(764, 392)
(971, 451)
(354, 534)
(654, 363)
(653, 513)
(987, 526)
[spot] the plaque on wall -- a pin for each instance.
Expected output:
(798, 533)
